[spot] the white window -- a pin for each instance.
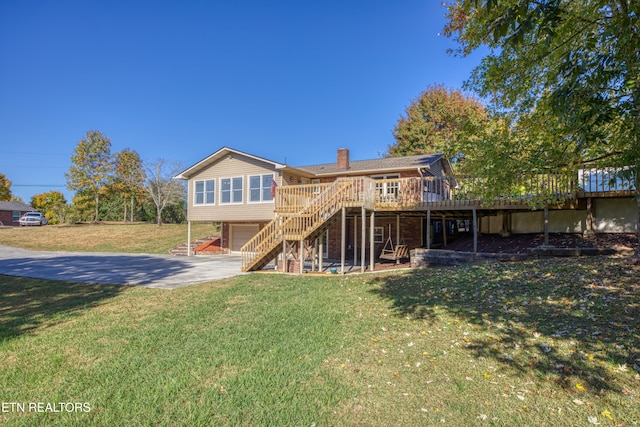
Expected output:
(378, 234)
(260, 188)
(204, 192)
(231, 190)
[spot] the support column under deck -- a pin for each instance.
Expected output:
(428, 229)
(343, 235)
(363, 235)
(475, 230)
(372, 224)
(546, 225)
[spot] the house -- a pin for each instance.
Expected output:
(10, 212)
(365, 210)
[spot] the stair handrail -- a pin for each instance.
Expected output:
(300, 225)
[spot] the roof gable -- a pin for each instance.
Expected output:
(221, 153)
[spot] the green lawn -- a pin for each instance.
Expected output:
(532, 343)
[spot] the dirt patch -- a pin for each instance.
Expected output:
(521, 243)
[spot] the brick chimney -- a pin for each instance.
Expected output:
(343, 158)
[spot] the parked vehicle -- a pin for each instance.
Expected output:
(33, 218)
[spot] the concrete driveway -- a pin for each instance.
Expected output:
(153, 271)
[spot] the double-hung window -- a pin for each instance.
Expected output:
(204, 192)
(231, 190)
(260, 188)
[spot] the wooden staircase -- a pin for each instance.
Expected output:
(307, 223)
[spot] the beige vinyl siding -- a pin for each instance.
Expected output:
(232, 166)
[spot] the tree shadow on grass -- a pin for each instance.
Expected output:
(576, 322)
(27, 304)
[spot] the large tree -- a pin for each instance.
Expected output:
(563, 75)
(91, 166)
(163, 189)
(52, 204)
(129, 177)
(435, 122)
(5, 188)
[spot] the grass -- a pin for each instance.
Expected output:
(529, 343)
(110, 237)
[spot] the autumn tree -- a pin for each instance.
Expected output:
(129, 178)
(5, 188)
(161, 186)
(562, 75)
(436, 122)
(52, 204)
(91, 167)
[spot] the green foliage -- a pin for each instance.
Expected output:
(565, 72)
(128, 179)
(562, 76)
(91, 167)
(5, 188)
(436, 122)
(52, 204)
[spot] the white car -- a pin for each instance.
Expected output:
(33, 218)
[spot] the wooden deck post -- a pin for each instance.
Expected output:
(444, 231)
(314, 256)
(428, 228)
(397, 235)
(546, 225)
(284, 256)
(343, 235)
(372, 224)
(589, 216)
(475, 230)
(321, 252)
(363, 235)
(355, 240)
(301, 256)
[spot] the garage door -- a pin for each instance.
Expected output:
(240, 234)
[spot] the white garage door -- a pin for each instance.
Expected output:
(240, 234)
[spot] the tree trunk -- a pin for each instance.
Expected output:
(131, 210)
(95, 218)
(159, 213)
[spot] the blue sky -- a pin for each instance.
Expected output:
(286, 80)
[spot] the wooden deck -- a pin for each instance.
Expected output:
(304, 211)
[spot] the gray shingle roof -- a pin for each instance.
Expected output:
(15, 206)
(387, 163)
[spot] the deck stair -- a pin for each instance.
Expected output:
(307, 223)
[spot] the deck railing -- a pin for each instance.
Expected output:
(415, 193)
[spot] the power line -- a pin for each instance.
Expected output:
(38, 185)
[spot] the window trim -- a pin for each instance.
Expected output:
(261, 188)
(231, 190)
(204, 193)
